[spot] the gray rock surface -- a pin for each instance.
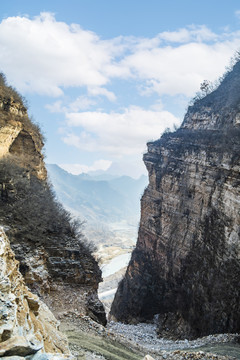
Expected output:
(186, 263)
(27, 326)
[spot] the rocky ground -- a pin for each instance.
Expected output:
(144, 337)
(89, 340)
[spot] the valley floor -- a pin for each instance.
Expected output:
(117, 341)
(120, 341)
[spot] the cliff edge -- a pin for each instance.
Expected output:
(185, 268)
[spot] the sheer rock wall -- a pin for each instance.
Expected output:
(186, 265)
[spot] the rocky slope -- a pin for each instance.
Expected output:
(27, 326)
(186, 264)
(55, 259)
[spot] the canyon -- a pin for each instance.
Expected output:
(184, 273)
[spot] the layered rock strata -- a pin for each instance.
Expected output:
(27, 326)
(186, 265)
(55, 258)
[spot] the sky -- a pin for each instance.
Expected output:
(104, 77)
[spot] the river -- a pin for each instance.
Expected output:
(115, 264)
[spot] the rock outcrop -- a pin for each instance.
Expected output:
(19, 137)
(186, 265)
(27, 326)
(55, 258)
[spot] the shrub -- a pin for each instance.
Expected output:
(7, 91)
(29, 206)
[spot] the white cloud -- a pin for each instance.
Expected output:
(180, 70)
(77, 169)
(56, 107)
(191, 33)
(54, 56)
(81, 103)
(117, 134)
(237, 14)
(102, 91)
(133, 167)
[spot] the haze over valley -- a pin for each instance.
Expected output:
(109, 205)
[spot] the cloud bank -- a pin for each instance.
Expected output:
(53, 56)
(117, 134)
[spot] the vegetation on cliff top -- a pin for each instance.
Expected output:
(225, 90)
(9, 96)
(7, 91)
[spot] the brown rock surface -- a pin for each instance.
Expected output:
(26, 324)
(55, 258)
(19, 137)
(186, 264)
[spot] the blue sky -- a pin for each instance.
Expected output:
(104, 77)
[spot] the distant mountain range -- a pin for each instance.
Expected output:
(100, 198)
(117, 169)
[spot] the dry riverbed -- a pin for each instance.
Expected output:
(89, 340)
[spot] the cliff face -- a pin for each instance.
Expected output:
(186, 264)
(19, 137)
(55, 259)
(26, 324)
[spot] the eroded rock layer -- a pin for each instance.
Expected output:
(186, 265)
(27, 326)
(55, 258)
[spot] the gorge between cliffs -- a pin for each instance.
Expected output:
(184, 274)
